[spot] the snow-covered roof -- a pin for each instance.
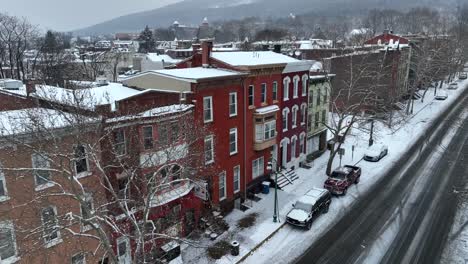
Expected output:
(87, 98)
(267, 109)
(155, 57)
(252, 58)
(312, 196)
(158, 111)
(194, 74)
(25, 121)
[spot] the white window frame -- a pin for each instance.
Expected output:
(127, 254)
(271, 131)
(58, 239)
(294, 116)
(296, 86)
(302, 149)
(253, 95)
(210, 108)
(46, 185)
(303, 114)
(144, 137)
(223, 195)
(236, 178)
(78, 254)
(87, 172)
(305, 86)
(209, 139)
(274, 91)
(293, 147)
(124, 143)
(285, 116)
(233, 95)
(263, 93)
(87, 197)
(233, 131)
(5, 196)
(9, 225)
(258, 166)
(286, 83)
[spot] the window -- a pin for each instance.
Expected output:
(296, 87)
(285, 120)
(270, 130)
(209, 152)
(311, 98)
(50, 224)
(302, 144)
(78, 259)
(163, 134)
(293, 148)
(7, 242)
(87, 206)
(3, 189)
(310, 121)
(174, 131)
(264, 93)
(325, 95)
(324, 116)
(317, 119)
(81, 161)
(257, 167)
(233, 141)
(148, 137)
(41, 165)
(233, 104)
(208, 109)
(222, 185)
(305, 85)
(259, 132)
(294, 117)
(251, 95)
(318, 96)
(123, 185)
(303, 114)
(275, 91)
(236, 178)
(119, 143)
(286, 88)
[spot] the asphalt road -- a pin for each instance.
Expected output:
(407, 216)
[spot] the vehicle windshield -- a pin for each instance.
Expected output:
(338, 175)
(303, 206)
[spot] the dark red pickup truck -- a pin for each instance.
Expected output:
(342, 178)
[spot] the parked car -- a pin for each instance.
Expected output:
(376, 153)
(309, 207)
(453, 86)
(462, 76)
(341, 178)
(441, 95)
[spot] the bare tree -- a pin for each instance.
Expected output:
(83, 158)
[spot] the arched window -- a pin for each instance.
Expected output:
(286, 83)
(296, 87)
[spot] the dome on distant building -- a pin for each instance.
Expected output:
(205, 21)
(176, 23)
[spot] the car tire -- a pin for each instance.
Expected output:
(309, 225)
(344, 191)
(325, 210)
(357, 180)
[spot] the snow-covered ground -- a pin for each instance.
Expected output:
(288, 242)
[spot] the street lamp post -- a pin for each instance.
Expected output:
(275, 209)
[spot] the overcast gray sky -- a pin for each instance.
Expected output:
(63, 15)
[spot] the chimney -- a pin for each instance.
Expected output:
(207, 48)
(386, 31)
(195, 48)
(30, 87)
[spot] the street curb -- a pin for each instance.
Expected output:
(260, 244)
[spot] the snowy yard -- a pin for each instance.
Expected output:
(289, 242)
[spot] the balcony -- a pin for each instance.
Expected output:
(265, 127)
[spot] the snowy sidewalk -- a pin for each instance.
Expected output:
(259, 245)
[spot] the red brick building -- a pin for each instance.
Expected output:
(387, 38)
